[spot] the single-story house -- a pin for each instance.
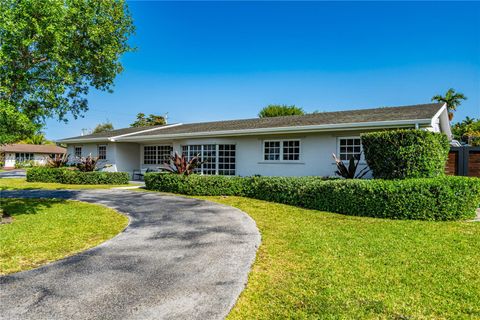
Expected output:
(280, 146)
(16, 153)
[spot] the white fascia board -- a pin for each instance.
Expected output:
(87, 140)
(437, 115)
(279, 130)
(114, 138)
(142, 131)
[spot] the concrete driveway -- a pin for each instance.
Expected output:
(20, 173)
(178, 259)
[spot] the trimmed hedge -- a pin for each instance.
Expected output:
(443, 198)
(400, 154)
(66, 176)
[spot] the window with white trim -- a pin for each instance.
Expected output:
(226, 159)
(102, 152)
(78, 152)
(163, 154)
(349, 147)
(215, 158)
(285, 150)
(21, 157)
(156, 154)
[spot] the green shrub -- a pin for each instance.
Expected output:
(66, 176)
(400, 154)
(442, 198)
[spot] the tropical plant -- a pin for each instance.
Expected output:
(452, 99)
(151, 120)
(103, 127)
(276, 110)
(349, 172)
(467, 131)
(87, 164)
(180, 165)
(58, 160)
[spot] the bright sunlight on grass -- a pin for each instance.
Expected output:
(47, 230)
(318, 265)
(22, 184)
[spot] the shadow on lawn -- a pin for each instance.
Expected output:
(15, 206)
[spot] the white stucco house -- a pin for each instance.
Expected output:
(13, 154)
(281, 146)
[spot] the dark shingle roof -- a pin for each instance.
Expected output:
(414, 112)
(417, 112)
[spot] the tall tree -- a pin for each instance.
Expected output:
(103, 127)
(53, 52)
(276, 110)
(151, 120)
(452, 99)
(37, 138)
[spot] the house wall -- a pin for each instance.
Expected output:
(39, 158)
(315, 154)
(121, 157)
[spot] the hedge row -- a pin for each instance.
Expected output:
(58, 175)
(443, 198)
(401, 154)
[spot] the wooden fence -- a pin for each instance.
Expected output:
(463, 161)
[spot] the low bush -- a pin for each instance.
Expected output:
(443, 198)
(67, 176)
(400, 154)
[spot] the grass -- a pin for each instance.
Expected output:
(22, 184)
(319, 265)
(45, 230)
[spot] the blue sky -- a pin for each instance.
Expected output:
(203, 61)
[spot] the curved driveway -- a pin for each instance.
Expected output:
(179, 258)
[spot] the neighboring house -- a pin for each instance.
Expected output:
(17, 153)
(281, 146)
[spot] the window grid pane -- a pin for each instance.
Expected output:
(272, 150)
(226, 159)
(164, 153)
(291, 150)
(351, 147)
(216, 159)
(78, 152)
(102, 152)
(150, 155)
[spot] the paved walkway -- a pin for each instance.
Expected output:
(178, 259)
(20, 173)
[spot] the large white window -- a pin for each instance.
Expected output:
(102, 152)
(21, 157)
(156, 154)
(349, 147)
(284, 150)
(78, 152)
(215, 158)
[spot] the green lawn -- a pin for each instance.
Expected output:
(22, 184)
(48, 230)
(319, 265)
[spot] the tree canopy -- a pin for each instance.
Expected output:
(103, 127)
(52, 53)
(147, 121)
(276, 110)
(467, 131)
(452, 99)
(37, 138)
